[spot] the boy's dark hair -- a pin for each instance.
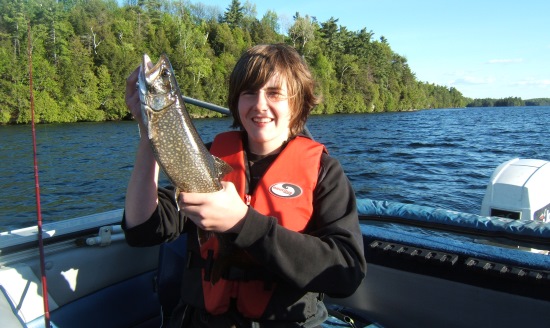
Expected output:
(259, 64)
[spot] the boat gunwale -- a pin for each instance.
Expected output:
(25, 238)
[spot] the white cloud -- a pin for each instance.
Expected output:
(505, 61)
(472, 80)
(536, 83)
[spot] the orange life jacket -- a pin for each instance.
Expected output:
(285, 192)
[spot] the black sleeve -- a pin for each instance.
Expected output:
(328, 256)
(165, 224)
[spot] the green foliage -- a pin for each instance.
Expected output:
(47, 109)
(503, 102)
(538, 102)
(234, 15)
(83, 51)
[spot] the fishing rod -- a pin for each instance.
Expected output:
(37, 190)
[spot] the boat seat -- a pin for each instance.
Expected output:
(21, 290)
(8, 312)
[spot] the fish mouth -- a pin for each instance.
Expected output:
(151, 71)
(144, 75)
(155, 86)
(147, 63)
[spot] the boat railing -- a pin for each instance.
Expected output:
(207, 105)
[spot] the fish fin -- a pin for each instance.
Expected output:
(222, 166)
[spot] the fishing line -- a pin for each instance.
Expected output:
(37, 189)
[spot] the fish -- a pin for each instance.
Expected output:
(176, 144)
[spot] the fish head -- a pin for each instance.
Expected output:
(156, 85)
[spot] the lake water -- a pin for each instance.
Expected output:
(441, 158)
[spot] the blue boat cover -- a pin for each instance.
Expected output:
(509, 227)
(423, 227)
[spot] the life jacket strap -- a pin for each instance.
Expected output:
(233, 273)
(209, 264)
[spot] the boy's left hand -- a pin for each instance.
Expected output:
(220, 211)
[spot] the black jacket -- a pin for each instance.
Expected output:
(327, 258)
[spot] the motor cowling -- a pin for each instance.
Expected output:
(519, 189)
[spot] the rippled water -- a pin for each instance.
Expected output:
(441, 158)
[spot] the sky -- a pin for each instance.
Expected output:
(483, 48)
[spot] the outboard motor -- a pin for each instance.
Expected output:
(519, 189)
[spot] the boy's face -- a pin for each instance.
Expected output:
(265, 115)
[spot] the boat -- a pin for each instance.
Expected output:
(426, 267)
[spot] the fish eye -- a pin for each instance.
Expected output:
(165, 73)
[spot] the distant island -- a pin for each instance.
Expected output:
(508, 102)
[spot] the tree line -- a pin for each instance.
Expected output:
(508, 102)
(83, 50)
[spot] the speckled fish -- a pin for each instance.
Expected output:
(177, 146)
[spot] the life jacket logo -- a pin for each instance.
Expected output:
(285, 190)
